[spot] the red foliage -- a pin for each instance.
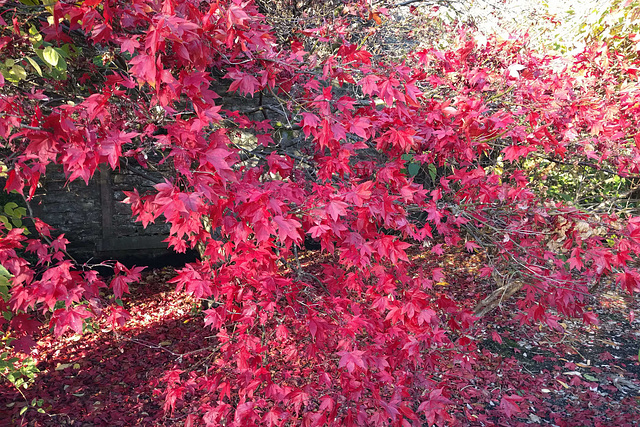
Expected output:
(368, 339)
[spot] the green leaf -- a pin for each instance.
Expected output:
(64, 51)
(30, 3)
(39, 52)
(413, 169)
(58, 73)
(35, 65)
(590, 378)
(4, 288)
(4, 272)
(62, 64)
(51, 56)
(23, 410)
(433, 172)
(6, 222)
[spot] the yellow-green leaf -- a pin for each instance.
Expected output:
(18, 72)
(35, 66)
(4, 272)
(433, 172)
(51, 56)
(590, 378)
(63, 366)
(35, 37)
(4, 289)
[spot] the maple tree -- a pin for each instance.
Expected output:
(382, 161)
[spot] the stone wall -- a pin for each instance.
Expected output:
(94, 219)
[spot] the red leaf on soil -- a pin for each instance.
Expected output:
(508, 404)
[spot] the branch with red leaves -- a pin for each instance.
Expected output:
(378, 161)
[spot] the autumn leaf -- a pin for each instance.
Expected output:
(509, 406)
(243, 82)
(629, 280)
(351, 360)
(216, 157)
(288, 228)
(64, 319)
(336, 208)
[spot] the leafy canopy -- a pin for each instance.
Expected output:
(273, 138)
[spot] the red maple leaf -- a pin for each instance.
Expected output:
(514, 152)
(244, 83)
(351, 359)
(118, 316)
(236, 16)
(64, 319)
(629, 280)
(368, 83)
(288, 228)
(435, 406)
(309, 123)
(144, 68)
(509, 406)
(336, 208)
(124, 276)
(427, 316)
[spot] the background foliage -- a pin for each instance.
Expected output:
(387, 138)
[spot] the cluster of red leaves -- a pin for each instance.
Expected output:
(109, 377)
(367, 339)
(117, 378)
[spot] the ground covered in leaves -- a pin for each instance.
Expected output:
(582, 376)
